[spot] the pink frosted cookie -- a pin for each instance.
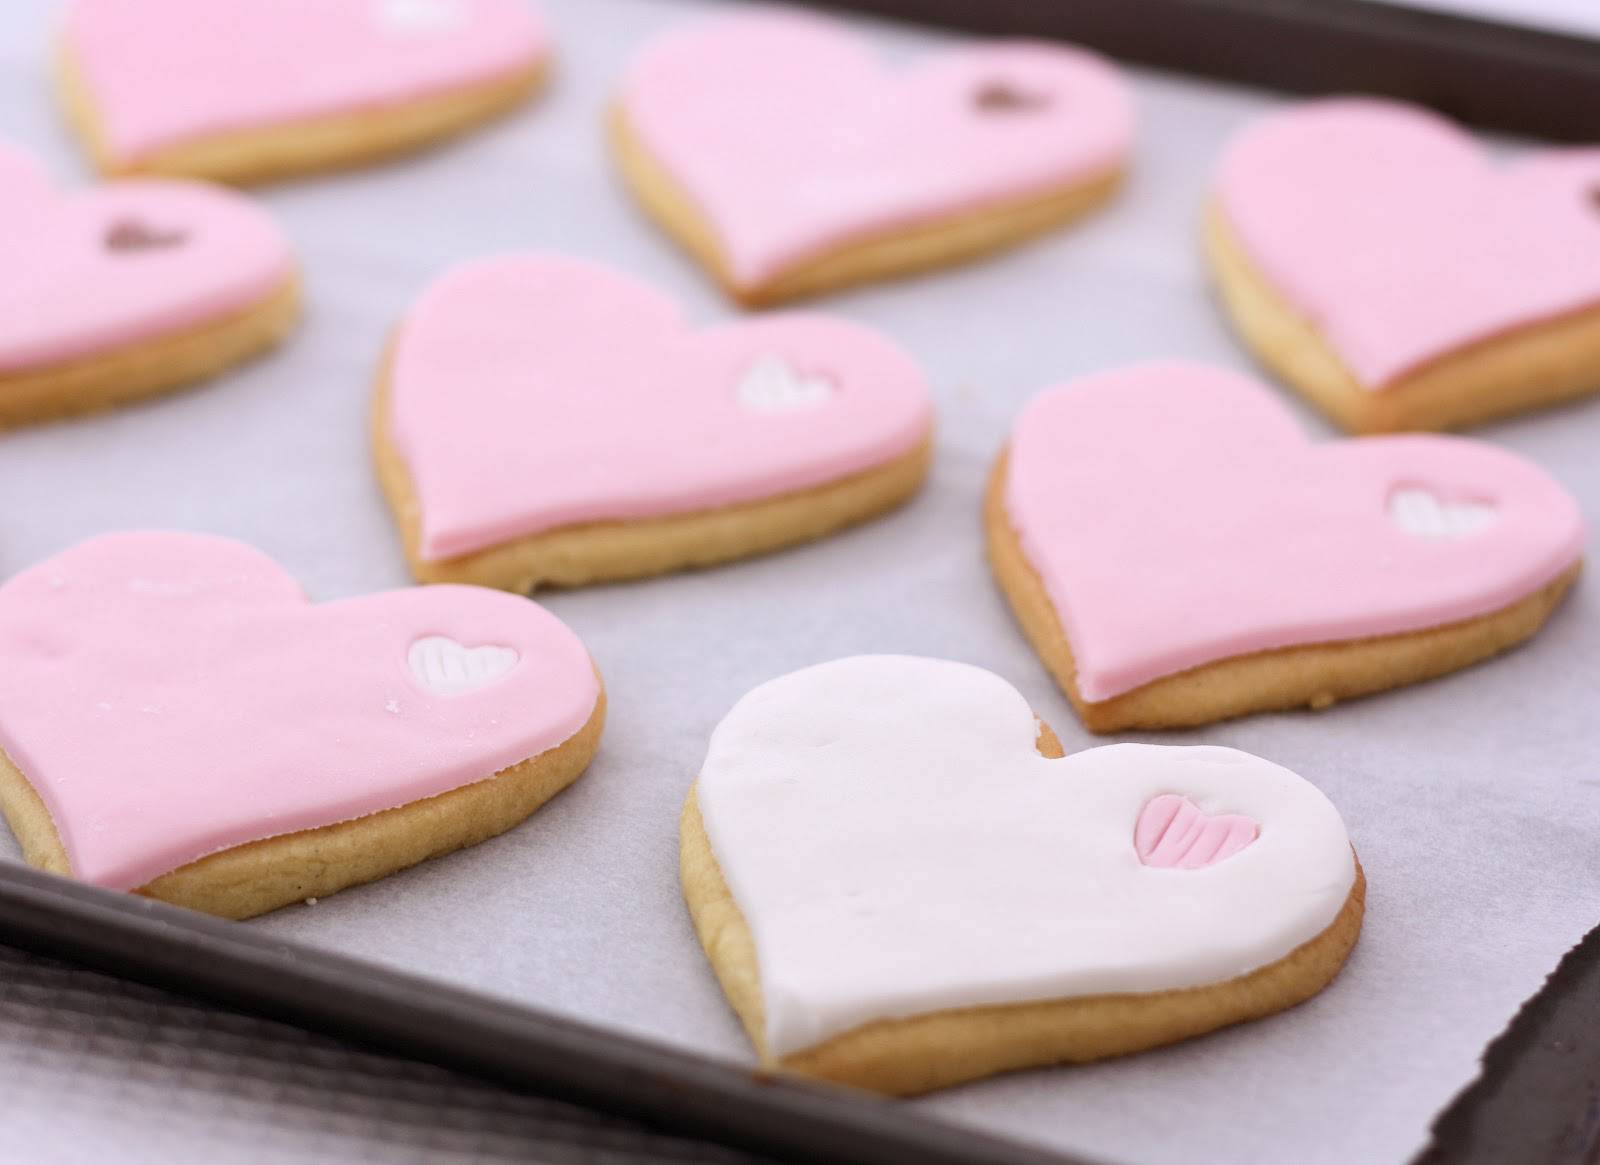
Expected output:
(1178, 552)
(178, 720)
(125, 290)
(789, 160)
(242, 90)
(1375, 258)
(902, 883)
(543, 420)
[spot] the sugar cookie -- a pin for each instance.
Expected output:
(542, 420)
(1178, 552)
(122, 291)
(258, 89)
(789, 161)
(177, 720)
(1375, 259)
(902, 883)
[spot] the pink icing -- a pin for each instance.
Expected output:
(170, 695)
(532, 392)
(792, 137)
(1396, 237)
(1177, 515)
(163, 72)
(1176, 834)
(84, 295)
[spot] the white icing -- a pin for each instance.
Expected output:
(897, 846)
(445, 667)
(773, 385)
(1418, 511)
(419, 16)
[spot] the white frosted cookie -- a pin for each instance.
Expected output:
(902, 884)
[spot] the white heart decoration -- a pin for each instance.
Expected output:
(773, 385)
(897, 846)
(1419, 511)
(420, 16)
(447, 668)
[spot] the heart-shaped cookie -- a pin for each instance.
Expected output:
(1379, 261)
(129, 289)
(253, 89)
(177, 719)
(543, 420)
(1178, 552)
(902, 884)
(789, 161)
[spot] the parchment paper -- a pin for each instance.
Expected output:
(1474, 800)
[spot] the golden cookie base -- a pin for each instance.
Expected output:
(889, 255)
(904, 1057)
(149, 367)
(263, 875)
(302, 147)
(1529, 368)
(576, 555)
(1315, 675)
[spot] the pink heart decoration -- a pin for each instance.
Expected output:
(533, 392)
(1399, 240)
(1177, 515)
(171, 695)
(167, 72)
(1174, 833)
(124, 262)
(790, 136)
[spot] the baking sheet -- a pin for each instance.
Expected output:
(1474, 800)
(1568, 16)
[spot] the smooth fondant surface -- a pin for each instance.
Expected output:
(86, 271)
(1400, 239)
(790, 136)
(532, 392)
(1177, 515)
(171, 695)
(166, 72)
(897, 846)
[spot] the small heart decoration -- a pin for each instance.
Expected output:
(131, 235)
(1176, 515)
(1419, 511)
(421, 17)
(772, 385)
(1394, 233)
(1002, 97)
(1175, 833)
(202, 253)
(446, 668)
(161, 74)
(830, 145)
(172, 695)
(897, 846)
(531, 392)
